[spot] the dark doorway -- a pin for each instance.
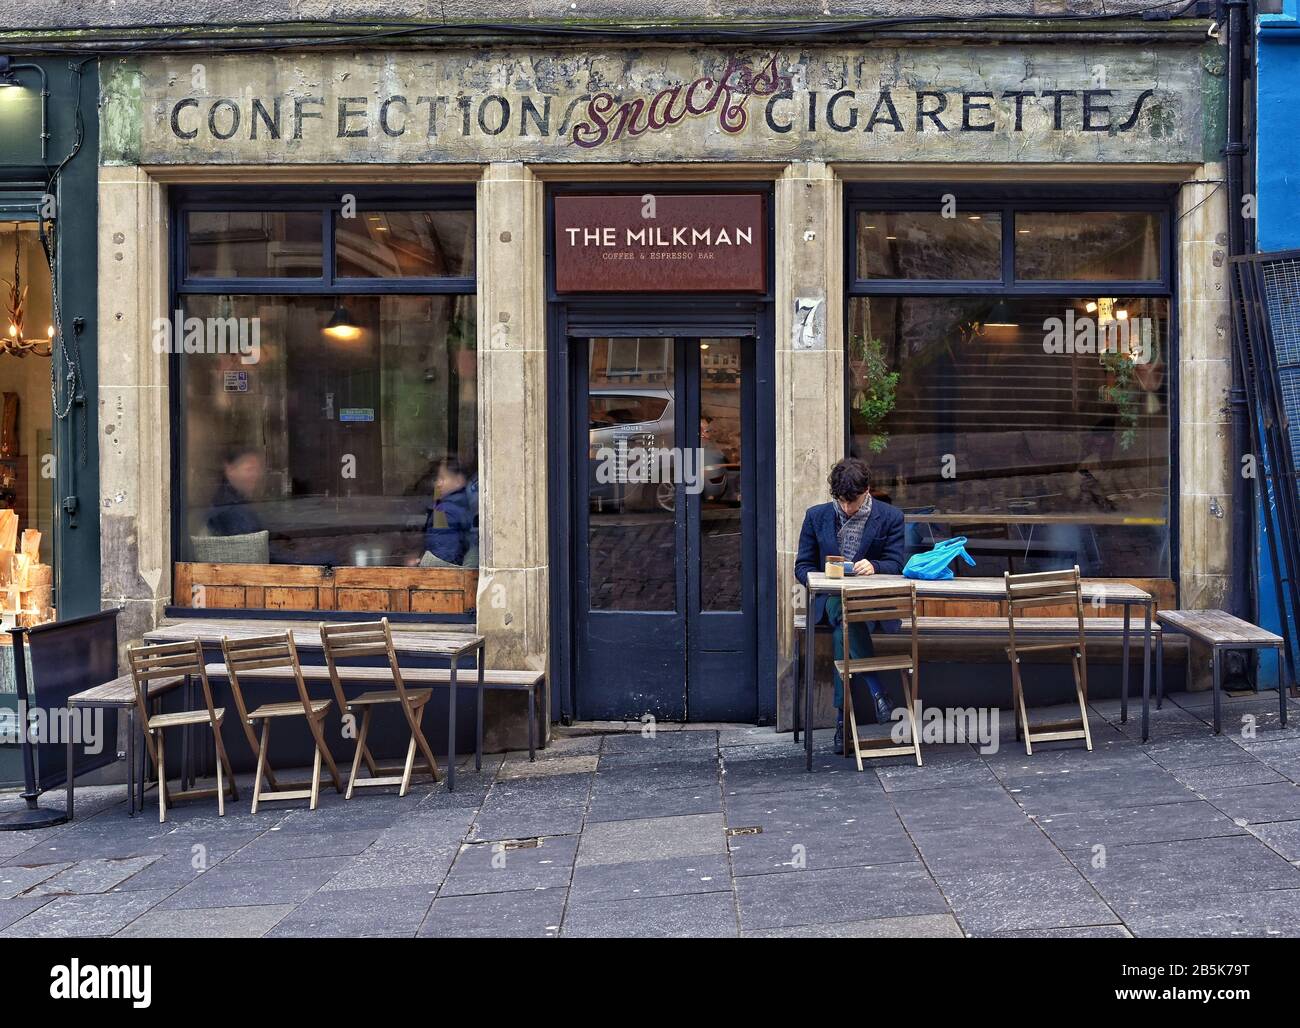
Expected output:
(665, 526)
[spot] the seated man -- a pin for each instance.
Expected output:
(870, 534)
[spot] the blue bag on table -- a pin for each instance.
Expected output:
(932, 565)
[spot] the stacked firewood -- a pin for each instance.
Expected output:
(26, 585)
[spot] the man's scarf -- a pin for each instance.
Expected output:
(851, 528)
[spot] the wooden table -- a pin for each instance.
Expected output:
(976, 588)
(119, 694)
(1221, 631)
(306, 637)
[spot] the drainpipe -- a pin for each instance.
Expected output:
(1240, 590)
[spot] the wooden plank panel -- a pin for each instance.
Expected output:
(436, 601)
(366, 600)
(285, 598)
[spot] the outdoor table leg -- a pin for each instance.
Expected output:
(451, 727)
(1218, 726)
(808, 648)
(1160, 670)
(130, 762)
(1123, 695)
(532, 723)
(478, 728)
(1146, 671)
(68, 729)
(1281, 684)
(796, 680)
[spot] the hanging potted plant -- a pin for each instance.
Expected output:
(875, 389)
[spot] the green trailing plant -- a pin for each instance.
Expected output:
(1120, 391)
(877, 389)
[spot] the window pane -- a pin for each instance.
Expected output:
(405, 244)
(26, 433)
(721, 459)
(346, 451)
(1043, 453)
(254, 244)
(631, 533)
(1088, 246)
(913, 244)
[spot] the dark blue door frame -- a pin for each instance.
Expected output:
(680, 317)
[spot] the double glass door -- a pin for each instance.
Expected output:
(664, 528)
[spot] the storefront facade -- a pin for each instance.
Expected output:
(557, 254)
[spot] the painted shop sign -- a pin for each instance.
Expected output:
(973, 103)
(660, 243)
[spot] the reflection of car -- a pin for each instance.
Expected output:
(623, 420)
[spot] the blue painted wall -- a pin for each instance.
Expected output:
(1278, 225)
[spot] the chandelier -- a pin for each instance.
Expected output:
(14, 341)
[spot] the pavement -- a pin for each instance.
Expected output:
(718, 831)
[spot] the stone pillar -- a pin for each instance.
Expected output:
(134, 424)
(1205, 373)
(513, 591)
(810, 414)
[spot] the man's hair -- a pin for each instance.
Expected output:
(238, 453)
(849, 479)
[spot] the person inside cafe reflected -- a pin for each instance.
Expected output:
(868, 532)
(231, 511)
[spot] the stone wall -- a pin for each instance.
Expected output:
(75, 14)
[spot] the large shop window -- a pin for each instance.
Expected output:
(27, 496)
(1008, 381)
(328, 422)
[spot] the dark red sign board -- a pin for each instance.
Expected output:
(693, 243)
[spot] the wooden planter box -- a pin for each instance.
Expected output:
(370, 590)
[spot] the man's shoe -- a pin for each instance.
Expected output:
(837, 744)
(884, 712)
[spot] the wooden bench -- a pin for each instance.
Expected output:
(994, 627)
(1220, 631)
(119, 694)
(517, 681)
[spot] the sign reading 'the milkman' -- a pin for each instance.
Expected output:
(1052, 103)
(661, 243)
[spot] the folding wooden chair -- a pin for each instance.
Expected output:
(375, 639)
(881, 605)
(1048, 589)
(262, 653)
(149, 663)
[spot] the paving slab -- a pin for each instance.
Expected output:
(815, 840)
(921, 926)
(379, 868)
(1257, 804)
(253, 884)
(288, 844)
(616, 842)
(91, 876)
(1280, 836)
(971, 849)
(17, 879)
(1228, 776)
(93, 916)
(709, 915)
(1001, 901)
(1161, 872)
(206, 923)
(836, 895)
(501, 867)
(1163, 822)
(534, 913)
(351, 913)
(669, 876)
